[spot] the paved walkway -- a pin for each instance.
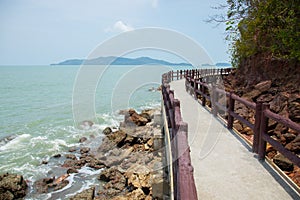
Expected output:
(223, 167)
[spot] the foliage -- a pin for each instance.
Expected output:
(264, 27)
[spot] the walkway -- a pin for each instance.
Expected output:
(223, 167)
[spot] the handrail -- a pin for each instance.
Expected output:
(201, 85)
(183, 179)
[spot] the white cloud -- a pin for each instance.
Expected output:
(121, 26)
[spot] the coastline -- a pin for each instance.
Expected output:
(128, 164)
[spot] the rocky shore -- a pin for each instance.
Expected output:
(128, 164)
(284, 99)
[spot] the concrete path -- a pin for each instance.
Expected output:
(223, 166)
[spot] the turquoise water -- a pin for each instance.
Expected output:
(36, 118)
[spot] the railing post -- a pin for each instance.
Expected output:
(214, 100)
(256, 138)
(203, 97)
(195, 89)
(263, 130)
(230, 110)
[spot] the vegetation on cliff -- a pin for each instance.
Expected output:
(264, 27)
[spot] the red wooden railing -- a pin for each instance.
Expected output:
(201, 84)
(183, 179)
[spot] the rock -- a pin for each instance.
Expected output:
(12, 186)
(279, 102)
(88, 194)
(71, 156)
(263, 86)
(105, 146)
(117, 137)
(116, 160)
(293, 146)
(137, 194)
(84, 150)
(108, 174)
(146, 116)
(42, 185)
(72, 149)
(96, 164)
(283, 163)
(253, 95)
(44, 162)
(238, 126)
(138, 180)
(57, 156)
(61, 185)
(294, 110)
(265, 98)
(83, 139)
(72, 170)
(159, 88)
(289, 137)
(107, 131)
(116, 183)
(135, 118)
(60, 179)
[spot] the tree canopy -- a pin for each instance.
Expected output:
(263, 27)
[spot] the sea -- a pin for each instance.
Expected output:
(38, 110)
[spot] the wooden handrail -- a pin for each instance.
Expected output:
(184, 183)
(262, 113)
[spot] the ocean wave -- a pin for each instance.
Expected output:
(15, 143)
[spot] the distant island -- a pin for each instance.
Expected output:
(112, 60)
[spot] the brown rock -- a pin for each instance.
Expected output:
(88, 194)
(71, 156)
(84, 150)
(117, 137)
(263, 86)
(61, 185)
(72, 149)
(294, 110)
(72, 170)
(12, 186)
(42, 185)
(137, 194)
(283, 163)
(279, 102)
(265, 98)
(107, 131)
(83, 139)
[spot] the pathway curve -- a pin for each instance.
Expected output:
(223, 166)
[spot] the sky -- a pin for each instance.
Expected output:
(41, 32)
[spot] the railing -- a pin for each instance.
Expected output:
(183, 179)
(201, 84)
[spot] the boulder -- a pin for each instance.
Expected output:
(137, 119)
(72, 170)
(42, 185)
(71, 156)
(283, 163)
(88, 194)
(263, 86)
(84, 150)
(107, 131)
(294, 110)
(12, 186)
(83, 139)
(117, 137)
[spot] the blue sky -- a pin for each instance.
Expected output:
(49, 31)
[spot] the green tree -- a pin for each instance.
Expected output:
(269, 28)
